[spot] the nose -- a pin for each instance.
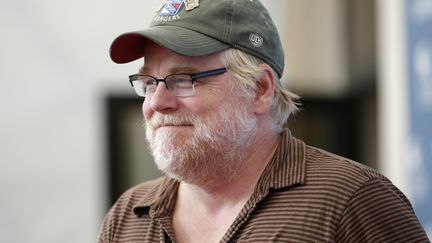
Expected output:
(163, 100)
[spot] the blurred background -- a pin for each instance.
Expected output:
(71, 136)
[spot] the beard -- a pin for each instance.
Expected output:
(212, 150)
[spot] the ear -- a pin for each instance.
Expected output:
(265, 90)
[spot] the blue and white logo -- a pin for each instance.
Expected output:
(171, 8)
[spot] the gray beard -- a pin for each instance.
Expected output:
(215, 151)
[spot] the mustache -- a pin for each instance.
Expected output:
(159, 120)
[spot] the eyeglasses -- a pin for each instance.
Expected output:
(180, 84)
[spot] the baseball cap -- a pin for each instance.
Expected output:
(202, 27)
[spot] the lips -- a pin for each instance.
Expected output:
(158, 121)
(172, 125)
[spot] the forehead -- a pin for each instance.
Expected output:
(161, 59)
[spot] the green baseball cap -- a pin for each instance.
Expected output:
(202, 27)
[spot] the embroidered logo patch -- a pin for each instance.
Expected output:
(171, 8)
(191, 4)
(255, 39)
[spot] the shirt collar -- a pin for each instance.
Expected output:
(285, 169)
(287, 166)
(160, 200)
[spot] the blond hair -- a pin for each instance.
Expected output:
(246, 69)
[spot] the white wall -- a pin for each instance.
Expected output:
(54, 73)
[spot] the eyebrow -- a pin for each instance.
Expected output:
(174, 70)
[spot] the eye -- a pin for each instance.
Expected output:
(148, 81)
(179, 81)
(139, 87)
(145, 85)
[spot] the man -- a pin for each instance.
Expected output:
(215, 113)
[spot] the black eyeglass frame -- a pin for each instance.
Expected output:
(193, 76)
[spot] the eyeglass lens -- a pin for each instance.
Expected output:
(178, 84)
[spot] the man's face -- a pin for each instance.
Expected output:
(201, 135)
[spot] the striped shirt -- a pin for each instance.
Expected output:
(304, 195)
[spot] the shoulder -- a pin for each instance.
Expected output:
(379, 212)
(322, 165)
(141, 195)
(349, 181)
(373, 209)
(123, 210)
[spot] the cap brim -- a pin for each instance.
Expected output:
(130, 46)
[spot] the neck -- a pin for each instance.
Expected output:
(231, 190)
(222, 200)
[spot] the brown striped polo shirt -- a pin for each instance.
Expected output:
(304, 195)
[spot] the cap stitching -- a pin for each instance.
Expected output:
(228, 21)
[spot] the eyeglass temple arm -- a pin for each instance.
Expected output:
(209, 73)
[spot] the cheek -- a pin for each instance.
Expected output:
(147, 111)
